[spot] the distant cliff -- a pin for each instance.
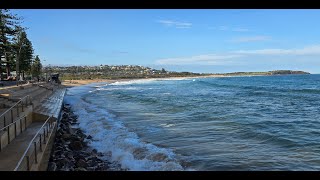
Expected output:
(281, 72)
(268, 73)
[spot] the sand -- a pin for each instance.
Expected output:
(73, 83)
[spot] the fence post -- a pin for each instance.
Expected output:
(40, 144)
(47, 130)
(15, 129)
(44, 135)
(20, 125)
(25, 122)
(35, 152)
(28, 163)
(8, 129)
(11, 115)
(17, 110)
(22, 106)
(4, 121)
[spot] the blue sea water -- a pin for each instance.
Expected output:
(227, 123)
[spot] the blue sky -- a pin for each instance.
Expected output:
(180, 40)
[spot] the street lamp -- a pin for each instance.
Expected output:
(45, 70)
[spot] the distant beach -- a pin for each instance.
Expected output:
(73, 83)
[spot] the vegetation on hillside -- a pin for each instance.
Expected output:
(134, 71)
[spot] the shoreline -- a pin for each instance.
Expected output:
(71, 152)
(74, 83)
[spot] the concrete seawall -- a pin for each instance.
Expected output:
(26, 141)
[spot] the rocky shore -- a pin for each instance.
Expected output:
(70, 150)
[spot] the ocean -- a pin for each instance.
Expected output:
(256, 123)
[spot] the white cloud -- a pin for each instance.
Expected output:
(240, 29)
(251, 39)
(223, 28)
(308, 50)
(212, 59)
(175, 23)
(233, 56)
(226, 28)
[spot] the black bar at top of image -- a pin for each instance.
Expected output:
(159, 4)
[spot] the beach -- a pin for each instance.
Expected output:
(73, 83)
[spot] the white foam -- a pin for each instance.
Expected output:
(110, 135)
(117, 88)
(167, 125)
(139, 81)
(143, 81)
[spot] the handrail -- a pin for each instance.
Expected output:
(30, 144)
(19, 93)
(14, 105)
(12, 123)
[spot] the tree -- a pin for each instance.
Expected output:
(36, 68)
(9, 26)
(24, 53)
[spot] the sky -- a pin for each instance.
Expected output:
(205, 41)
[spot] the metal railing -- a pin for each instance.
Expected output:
(7, 129)
(23, 102)
(30, 156)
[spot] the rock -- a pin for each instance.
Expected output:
(102, 167)
(52, 166)
(58, 152)
(94, 159)
(76, 145)
(157, 157)
(59, 163)
(85, 153)
(64, 115)
(66, 136)
(70, 149)
(91, 163)
(139, 153)
(78, 156)
(74, 116)
(74, 138)
(81, 163)
(80, 169)
(91, 168)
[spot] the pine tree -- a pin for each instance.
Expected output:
(24, 53)
(9, 26)
(36, 68)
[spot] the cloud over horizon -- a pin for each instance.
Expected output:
(234, 56)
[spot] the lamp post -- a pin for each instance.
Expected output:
(50, 73)
(46, 71)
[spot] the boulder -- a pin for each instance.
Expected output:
(80, 169)
(52, 166)
(81, 163)
(76, 145)
(66, 136)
